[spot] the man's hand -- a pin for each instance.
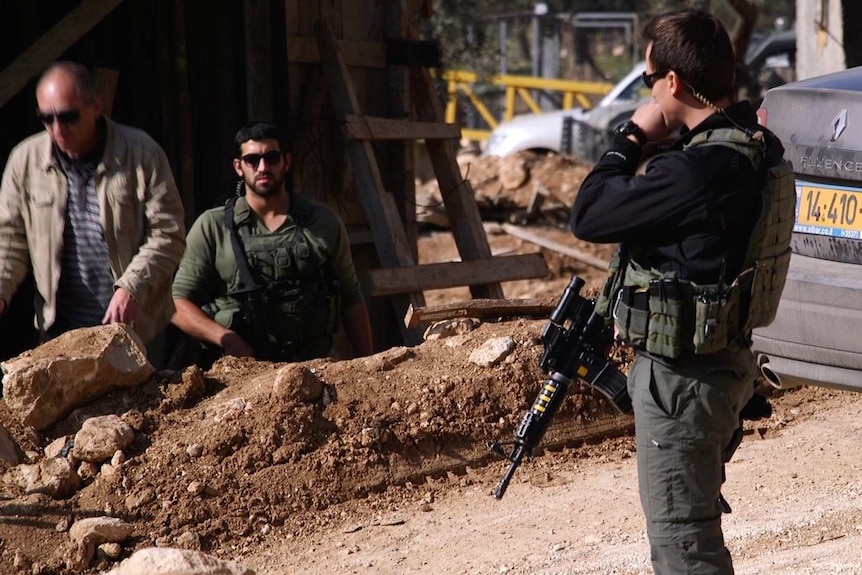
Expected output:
(234, 345)
(123, 308)
(651, 120)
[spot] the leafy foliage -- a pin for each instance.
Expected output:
(469, 35)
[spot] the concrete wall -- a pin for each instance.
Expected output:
(819, 52)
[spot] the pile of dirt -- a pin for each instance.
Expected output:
(505, 188)
(222, 457)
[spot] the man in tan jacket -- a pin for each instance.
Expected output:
(92, 207)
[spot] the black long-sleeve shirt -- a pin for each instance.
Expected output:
(689, 212)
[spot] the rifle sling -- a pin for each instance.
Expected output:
(246, 279)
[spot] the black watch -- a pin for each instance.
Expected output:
(630, 128)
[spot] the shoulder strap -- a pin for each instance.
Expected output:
(246, 279)
(749, 143)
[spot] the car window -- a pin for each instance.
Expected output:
(635, 90)
(629, 88)
(777, 69)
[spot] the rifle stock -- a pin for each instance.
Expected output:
(575, 341)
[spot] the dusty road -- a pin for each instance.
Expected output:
(795, 486)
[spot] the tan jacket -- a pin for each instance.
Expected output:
(142, 217)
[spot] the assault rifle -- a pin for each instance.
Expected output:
(576, 340)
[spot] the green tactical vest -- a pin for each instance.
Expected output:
(668, 316)
(287, 310)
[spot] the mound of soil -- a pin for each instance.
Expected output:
(223, 456)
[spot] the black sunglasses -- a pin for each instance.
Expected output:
(64, 117)
(271, 158)
(650, 79)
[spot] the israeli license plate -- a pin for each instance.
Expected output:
(828, 210)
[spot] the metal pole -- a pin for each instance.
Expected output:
(537, 47)
(504, 38)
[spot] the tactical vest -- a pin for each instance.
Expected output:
(668, 316)
(282, 303)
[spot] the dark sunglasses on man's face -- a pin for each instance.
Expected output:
(650, 79)
(64, 117)
(271, 158)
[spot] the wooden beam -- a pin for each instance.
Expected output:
(358, 53)
(458, 197)
(544, 242)
(389, 281)
(390, 240)
(480, 308)
(371, 128)
(62, 35)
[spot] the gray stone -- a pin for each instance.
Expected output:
(10, 452)
(492, 351)
(89, 533)
(296, 382)
(43, 385)
(100, 437)
(450, 327)
(100, 530)
(170, 561)
(53, 476)
(56, 447)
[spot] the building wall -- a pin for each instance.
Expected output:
(819, 51)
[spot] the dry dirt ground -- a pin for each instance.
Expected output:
(379, 465)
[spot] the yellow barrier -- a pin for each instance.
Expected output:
(462, 81)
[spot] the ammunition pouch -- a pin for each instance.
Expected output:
(287, 321)
(672, 317)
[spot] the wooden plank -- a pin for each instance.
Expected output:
(459, 201)
(258, 59)
(59, 38)
(390, 240)
(399, 168)
(356, 53)
(532, 237)
(371, 128)
(480, 308)
(389, 281)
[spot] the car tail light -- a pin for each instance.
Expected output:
(761, 116)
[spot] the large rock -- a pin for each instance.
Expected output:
(43, 385)
(101, 437)
(492, 351)
(53, 476)
(168, 561)
(91, 532)
(10, 453)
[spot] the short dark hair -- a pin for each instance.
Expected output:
(695, 45)
(85, 83)
(261, 130)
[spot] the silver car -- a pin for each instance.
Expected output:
(544, 132)
(815, 338)
(769, 62)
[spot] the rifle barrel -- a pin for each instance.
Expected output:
(516, 458)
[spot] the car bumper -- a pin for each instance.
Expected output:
(814, 339)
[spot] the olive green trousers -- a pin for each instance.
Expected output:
(685, 415)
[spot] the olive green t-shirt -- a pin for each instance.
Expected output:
(208, 269)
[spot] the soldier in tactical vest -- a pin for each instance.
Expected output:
(703, 249)
(270, 274)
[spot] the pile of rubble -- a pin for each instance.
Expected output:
(109, 464)
(518, 188)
